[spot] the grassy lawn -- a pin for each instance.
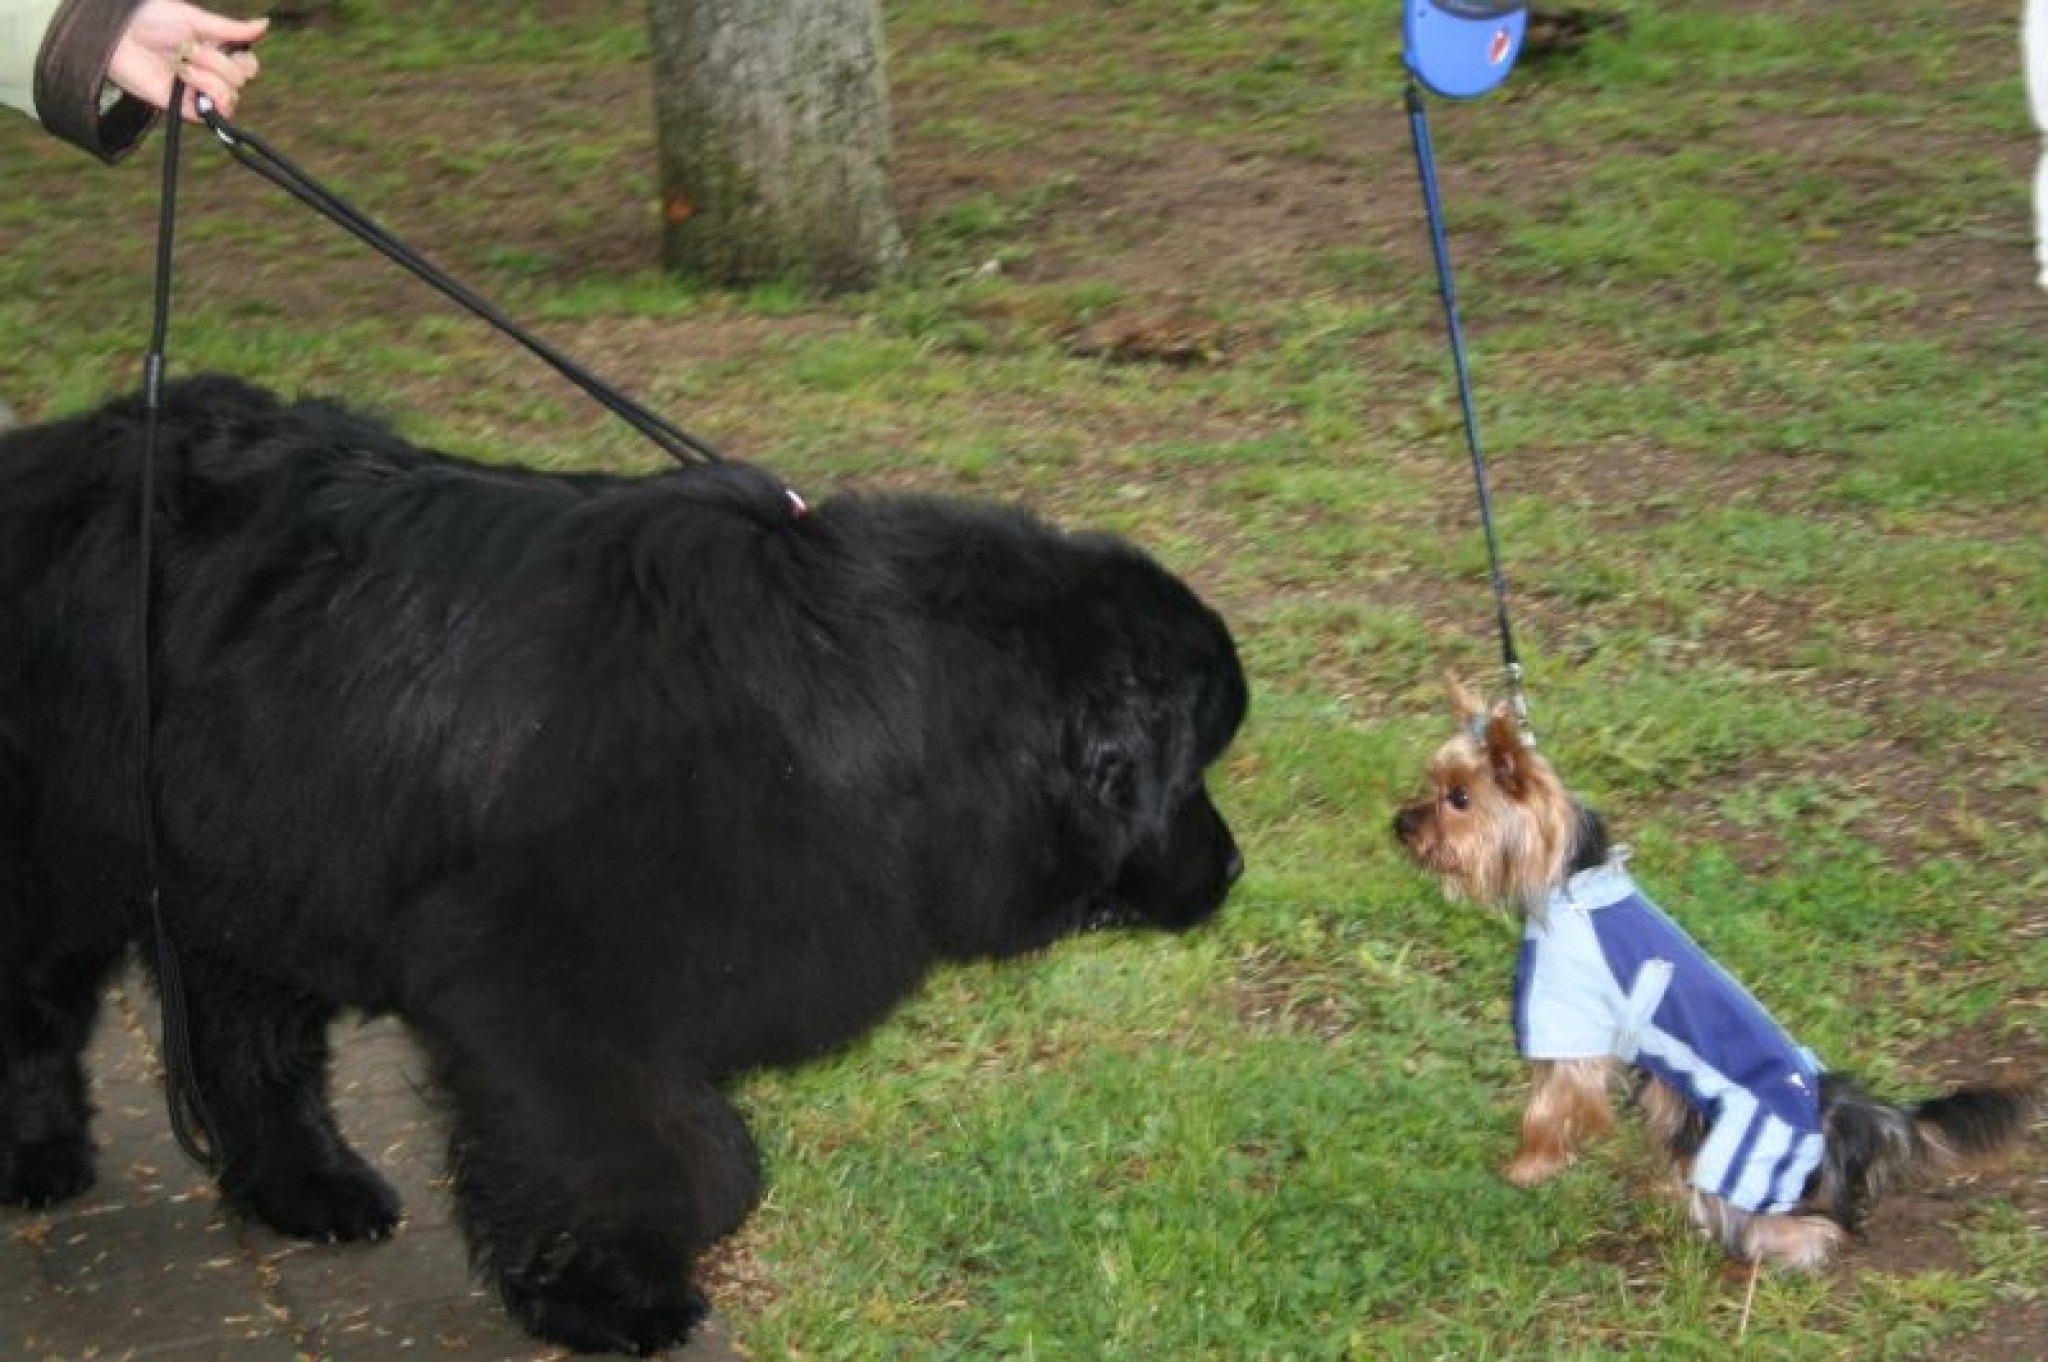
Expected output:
(1765, 376)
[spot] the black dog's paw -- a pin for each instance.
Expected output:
(336, 1205)
(45, 1172)
(582, 1306)
(594, 1326)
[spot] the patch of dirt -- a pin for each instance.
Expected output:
(1275, 994)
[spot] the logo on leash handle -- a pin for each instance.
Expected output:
(1462, 48)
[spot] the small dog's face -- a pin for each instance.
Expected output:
(1495, 822)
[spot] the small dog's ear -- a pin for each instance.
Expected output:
(1509, 756)
(1465, 706)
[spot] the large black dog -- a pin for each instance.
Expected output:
(612, 788)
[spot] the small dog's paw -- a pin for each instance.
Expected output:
(1527, 1170)
(45, 1172)
(337, 1205)
(593, 1325)
(1798, 1243)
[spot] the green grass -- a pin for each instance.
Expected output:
(1764, 383)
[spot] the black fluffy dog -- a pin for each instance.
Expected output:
(612, 788)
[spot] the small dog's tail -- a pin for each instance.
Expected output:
(1975, 1121)
(1873, 1147)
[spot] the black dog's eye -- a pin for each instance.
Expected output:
(1457, 798)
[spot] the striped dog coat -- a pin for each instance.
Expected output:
(1606, 974)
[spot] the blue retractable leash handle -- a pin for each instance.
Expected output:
(1461, 49)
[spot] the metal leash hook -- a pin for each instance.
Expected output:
(1463, 48)
(211, 116)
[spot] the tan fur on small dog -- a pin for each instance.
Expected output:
(1497, 824)
(1568, 1105)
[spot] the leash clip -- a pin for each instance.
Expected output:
(1518, 702)
(221, 127)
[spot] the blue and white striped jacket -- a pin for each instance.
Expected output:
(1605, 973)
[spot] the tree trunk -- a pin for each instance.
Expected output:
(772, 118)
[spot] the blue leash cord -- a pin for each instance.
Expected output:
(1432, 205)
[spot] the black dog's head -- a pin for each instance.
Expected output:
(1155, 695)
(1088, 691)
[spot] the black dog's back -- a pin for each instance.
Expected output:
(353, 632)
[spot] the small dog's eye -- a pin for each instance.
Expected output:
(1457, 798)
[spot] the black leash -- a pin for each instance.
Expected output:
(259, 156)
(190, 1122)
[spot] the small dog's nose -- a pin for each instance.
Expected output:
(1405, 819)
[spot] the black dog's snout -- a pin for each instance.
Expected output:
(1233, 869)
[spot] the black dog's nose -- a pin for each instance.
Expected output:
(1234, 867)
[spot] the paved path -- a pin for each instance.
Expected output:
(147, 1266)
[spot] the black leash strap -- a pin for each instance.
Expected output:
(190, 1122)
(259, 156)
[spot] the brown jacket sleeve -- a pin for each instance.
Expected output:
(73, 99)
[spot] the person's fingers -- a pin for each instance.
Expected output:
(236, 68)
(224, 32)
(182, 41)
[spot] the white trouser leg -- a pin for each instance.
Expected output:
(2034, 39)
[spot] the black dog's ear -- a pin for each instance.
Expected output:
(1105, 750)
(1121, 744)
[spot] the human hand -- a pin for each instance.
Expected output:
(168, 39)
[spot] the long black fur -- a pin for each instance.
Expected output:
(612, 788)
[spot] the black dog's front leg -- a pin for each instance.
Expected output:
(588, 1190)
(47, 1009)
(261, 1054)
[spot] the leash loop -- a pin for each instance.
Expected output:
(191, 1123)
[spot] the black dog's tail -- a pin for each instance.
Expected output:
(1873, 1147)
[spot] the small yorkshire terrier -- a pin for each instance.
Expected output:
(1784, 1160)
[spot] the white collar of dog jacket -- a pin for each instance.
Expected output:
(1601, 887)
